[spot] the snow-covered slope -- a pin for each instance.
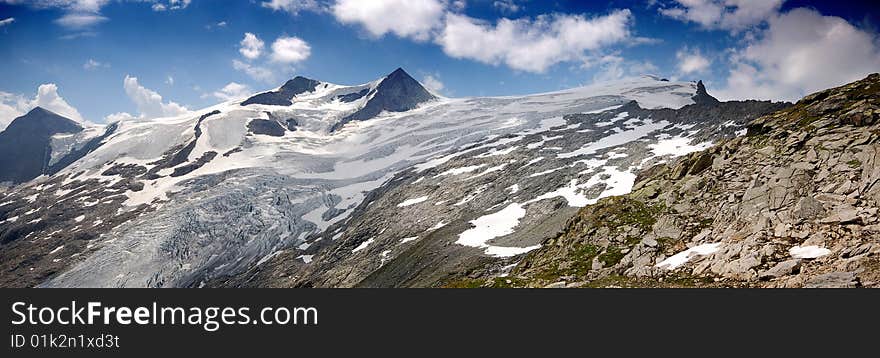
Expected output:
(193, 199)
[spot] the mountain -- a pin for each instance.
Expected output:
(284, 95)
(398, 92)
(25, 144)
(377, 184)
(792, 203)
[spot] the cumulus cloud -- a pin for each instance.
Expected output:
(801, 52)
(231, 91)
(528, 44)
(251, 46)
(259, 73)
(292, 6)
(149, 103)
(433, 83)
(532, 45)
(285, 52)
(613, 67)
(691, 62)
(733, 15)
(413, 19)
(290, 49)
(507, 6)
(13, 105)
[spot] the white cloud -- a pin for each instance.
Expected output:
(79, 20)
(292, 6)
(76, 35)
(251, 46)
(288, 50)
(48, 98)
(532, 45)
(13, 105)
(691, 61)
(285, 51)
(82, 14)
(258, 73)
(507, 6)
(613, 67)
(801, 52)
(159, 6)
(77, 14)
(119, 116)
(10, 108)
(433, 83)
(92, 64)
(405, 18)
(734, 15)
(149, 103)
(7, 21)
(231, 91)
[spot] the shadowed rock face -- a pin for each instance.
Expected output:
(25, 144)
(351, 97)
(283, 96)
(398, 92)
(703, 97)
(266, 127)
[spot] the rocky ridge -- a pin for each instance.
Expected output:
(793, 203)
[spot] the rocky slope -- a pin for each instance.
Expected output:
(793, 203)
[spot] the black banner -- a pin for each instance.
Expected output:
(331, 322)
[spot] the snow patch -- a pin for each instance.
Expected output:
(408, 239)
(677, 146)
(439, 225)
(490, 226)
(363, 245)
(808, 252)
(415, 201)
(674, 261)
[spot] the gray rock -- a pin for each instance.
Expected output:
(833, 280)
(842, 215)
(781, 269)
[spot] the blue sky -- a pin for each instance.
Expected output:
(139, 59)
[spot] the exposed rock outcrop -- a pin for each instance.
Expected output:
(284, 95)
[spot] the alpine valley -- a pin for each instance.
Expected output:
(641, 182)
